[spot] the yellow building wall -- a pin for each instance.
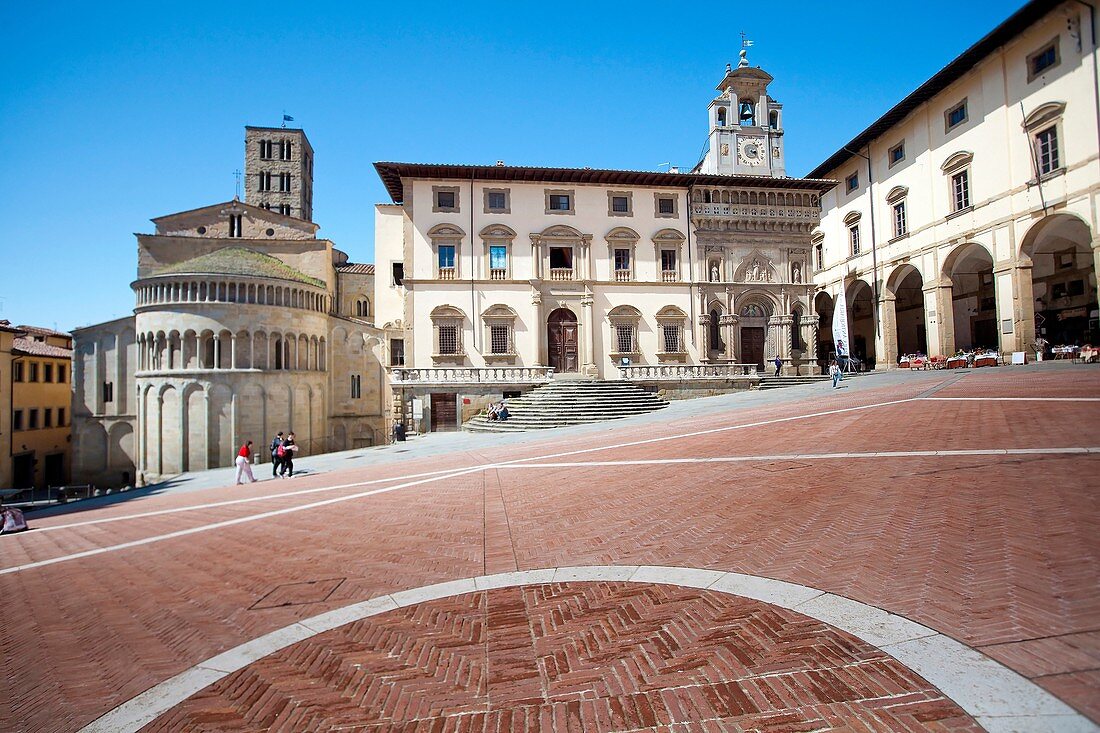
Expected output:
(55, 397)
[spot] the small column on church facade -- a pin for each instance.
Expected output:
(729, 323)
(704, 328)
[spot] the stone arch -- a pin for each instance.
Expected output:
(1058, 265)
(861, 322)
(93, 443)
(904, 324)
(121, 452)
(220, 433)
(169, 442)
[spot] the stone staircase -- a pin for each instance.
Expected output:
(570, 402)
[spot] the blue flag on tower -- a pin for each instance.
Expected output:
(288, 118)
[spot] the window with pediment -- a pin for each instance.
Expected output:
(1044, 126)
(957, 168)
(624, 321)
(621, 244)
(447, 325)
(500, 331)
(670, 326)
(446, 248)
(498, 250)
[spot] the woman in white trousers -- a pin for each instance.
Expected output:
(244, 467)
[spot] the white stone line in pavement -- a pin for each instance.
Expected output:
(1014, 399)
(247, 500)
(812, 457)
(229, 523)
(998, 698)
(430, 479)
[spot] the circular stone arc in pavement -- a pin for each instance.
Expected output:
(996, 697)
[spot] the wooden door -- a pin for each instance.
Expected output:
(752, 346)
(562, 341)
(444, 411)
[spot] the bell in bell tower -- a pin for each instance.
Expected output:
(746, 133)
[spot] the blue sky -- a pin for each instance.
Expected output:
(115, 113)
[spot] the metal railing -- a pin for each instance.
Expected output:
(471, 375)
(681, 372)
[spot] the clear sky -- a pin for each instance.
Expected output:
(114, 113)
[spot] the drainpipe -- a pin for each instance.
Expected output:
(691, 269)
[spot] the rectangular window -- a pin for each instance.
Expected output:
(496, 201)
(236, 225)
(851, 183)
(960, 190)
(668, 260)
(561, 258)
(896, 154)
(398, 269)
(356, 386)
(1042, 60)
(498, 261)
(559, 202)
(284, 209)
(853, 238)
(61, 417)
(448, 339)
(1046, 151)
(62, 373)
(900, 226)
(498, 339)
(819, 255)
(445, 199)
(446, 256)
(624, 338)
(17, 420)
(47, 418)
(47, 373)
(622, 260)
(33, 371)
(265, 181)
(17, 371)
(265, 150)
(286, 150)
(620, 204)
(108, 391)
(666, 205)
(671, 338)
(284, 182)
(955, 116)
(397, 352)
(32, 419)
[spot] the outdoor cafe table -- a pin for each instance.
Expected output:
(985, 360)
(956, 362)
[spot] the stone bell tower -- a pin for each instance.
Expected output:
(746, 125)
(278, 170)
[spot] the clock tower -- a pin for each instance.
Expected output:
(746, 125)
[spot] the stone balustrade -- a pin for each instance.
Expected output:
(683, 372)
(471, 375)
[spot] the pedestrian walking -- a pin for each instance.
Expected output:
(276, 453)
(834, 372)
(778, 365)
(244, 464)
(289, 448)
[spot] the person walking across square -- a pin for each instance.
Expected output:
(276, 454)
(289, 449)
(244, 465)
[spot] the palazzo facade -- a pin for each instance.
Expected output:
(489, 276)
(967, 216)
(245, 324)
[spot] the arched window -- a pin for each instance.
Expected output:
(773, 120)
(721, 116)
(362, 308)
(500, 332)
(670, 346)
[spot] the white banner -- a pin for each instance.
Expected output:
(840, 326)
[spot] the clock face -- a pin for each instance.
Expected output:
(750, 150)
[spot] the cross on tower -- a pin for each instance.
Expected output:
(237, 176)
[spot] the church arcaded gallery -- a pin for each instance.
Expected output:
(964, 218)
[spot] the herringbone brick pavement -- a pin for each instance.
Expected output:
(997, 551)
(575, 656)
